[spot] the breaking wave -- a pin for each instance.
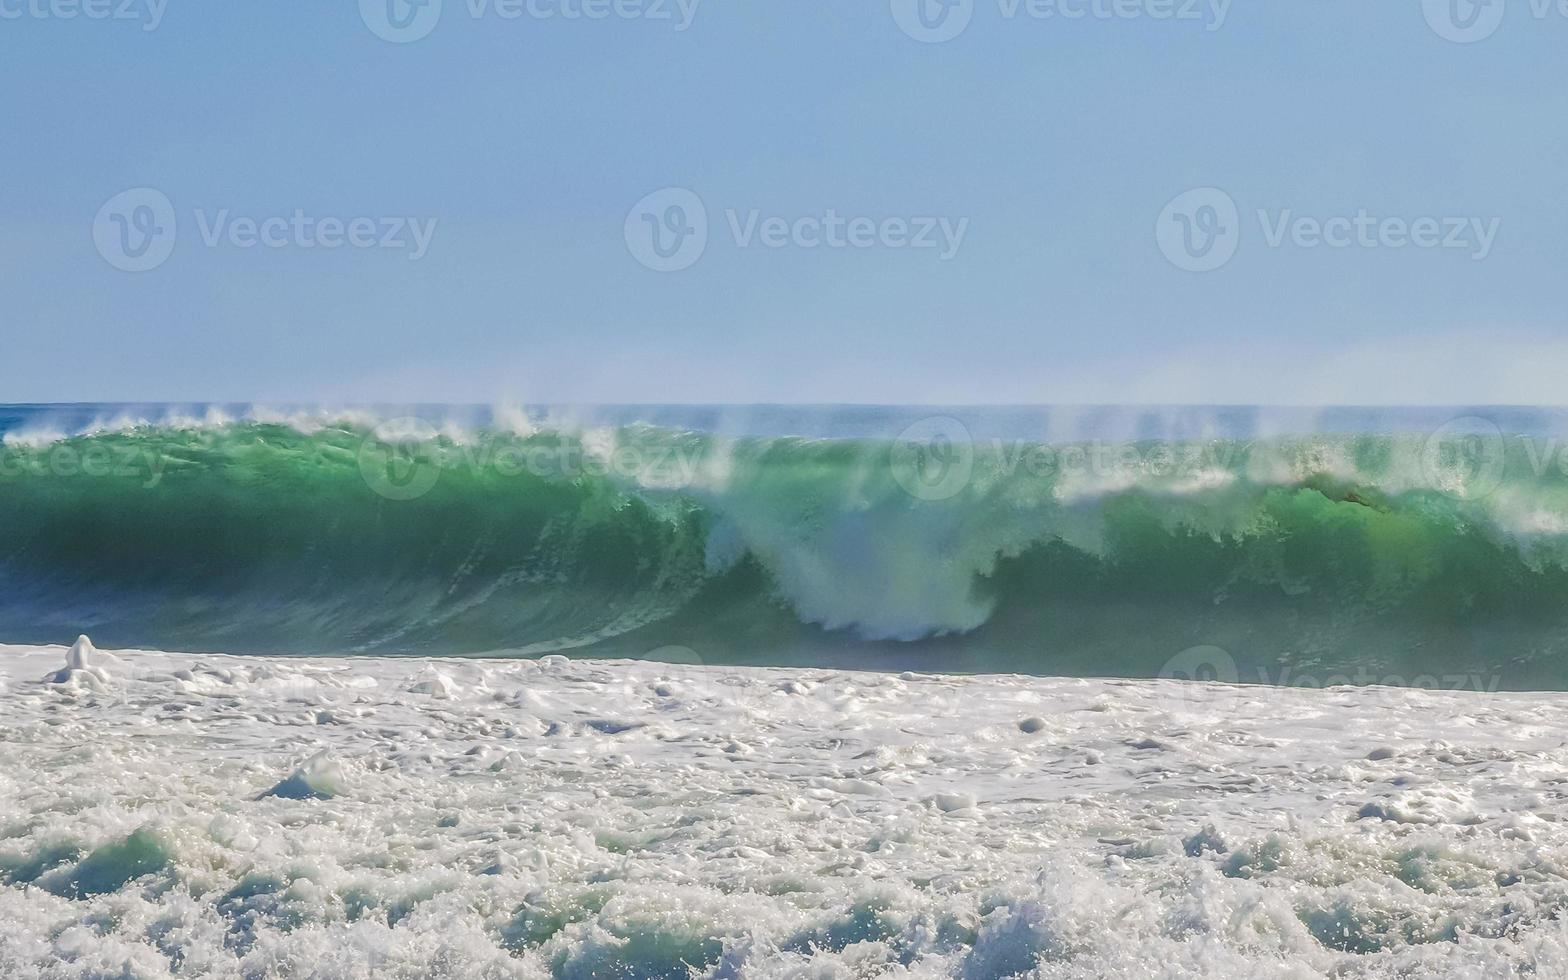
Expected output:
(350, 533)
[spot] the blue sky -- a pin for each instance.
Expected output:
(521, 146)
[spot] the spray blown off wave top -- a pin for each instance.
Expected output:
(1437, 547)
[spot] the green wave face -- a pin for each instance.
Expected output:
(1374, 557)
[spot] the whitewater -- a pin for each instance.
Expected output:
(174, 815)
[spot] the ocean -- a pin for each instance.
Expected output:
(782, 692)
(1383, 545)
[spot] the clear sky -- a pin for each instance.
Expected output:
(826, 142)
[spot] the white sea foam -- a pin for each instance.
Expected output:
(33, 437)
(513, 420)
(248, 817)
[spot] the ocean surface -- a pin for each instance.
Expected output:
(361, 818)
(1424, 547)
(825, 693)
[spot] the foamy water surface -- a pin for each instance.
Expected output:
(170, 815)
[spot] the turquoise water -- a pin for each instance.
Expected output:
(1307, 545)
